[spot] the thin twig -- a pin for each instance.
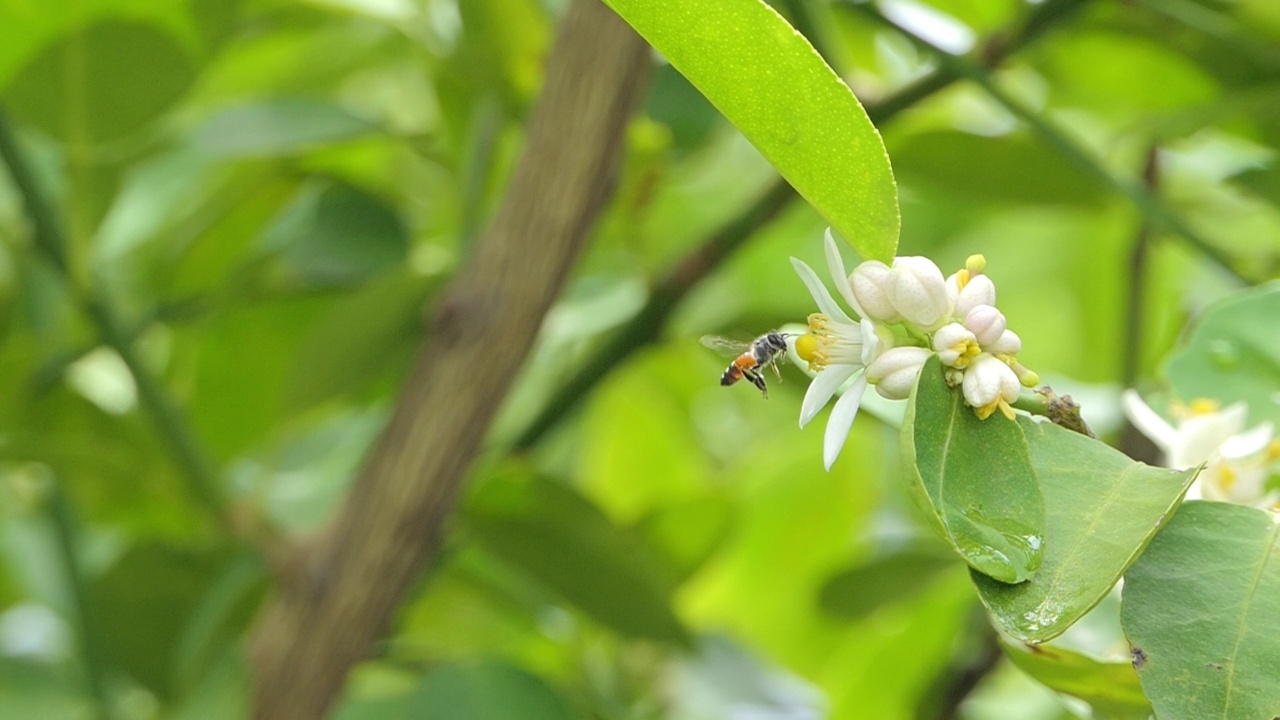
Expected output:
(1131, 441)
(646, 327)
(91, 653)
(51, 243)
(1147, 204)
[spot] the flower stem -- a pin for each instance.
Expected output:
(1060, 409)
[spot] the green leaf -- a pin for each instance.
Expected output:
(136, 72)
(337, 234)
(486, 691)
(357, 341)
(1201, 609)
(770, 83)
(141, 607)
(1111, 688)
(1234, 354)
(883, 580)
(1102, 509)
(548, 531)
(278, 127)
(974, 478)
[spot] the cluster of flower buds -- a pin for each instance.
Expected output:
(903, 314)
(958, 318)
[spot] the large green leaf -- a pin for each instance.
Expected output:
(1102, 509)
(486, 691)
(551, 533)
(1201, 609)
(886, 579)
(136, 71)
(770, 82)
(974, 478)
(1111, 688)
(1234, 354)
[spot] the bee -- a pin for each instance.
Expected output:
(767, 350)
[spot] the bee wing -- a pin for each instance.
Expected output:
(725, 346)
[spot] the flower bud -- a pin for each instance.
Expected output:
(955, 345)
(894, 373)
(870, 281)
(1008, 344)
(918, 291)
(989, 384)
(978, 291)
(986, 323)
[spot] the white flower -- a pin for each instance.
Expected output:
(990, 384)
(956, 345)
(987, 324)
(977, 290)
(1237, 462)
(838, 348)
(918, 291)
(894, 373)
(870, 281)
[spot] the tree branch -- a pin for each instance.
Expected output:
(351, 578)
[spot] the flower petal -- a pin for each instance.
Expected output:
(835, 264)
(841, 421)
(826, 304)
(824, 385)
(1247, 443)
(1148, 421)
(1200, 436)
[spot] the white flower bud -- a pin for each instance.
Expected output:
(978, 291)
(918, 291)
(955, 345)
(894, 373)
(870, 281)
(986, 323)
(1008, 344)
(989, 383)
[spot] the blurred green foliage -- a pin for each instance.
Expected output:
(270, 193)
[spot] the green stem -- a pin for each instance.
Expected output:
(92, 657)
(1060, 409)
(50, 241)
(1137, 194)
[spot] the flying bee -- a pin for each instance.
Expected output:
(767, 350)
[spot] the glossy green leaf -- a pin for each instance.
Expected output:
(892, 577)
(137, 71)
(486, 691)
(359, 339)
(551, 533)
(141, 607)
(1201, 608)
(1234, 354)
(1101, 511)
(974, 478)
(770, 83)
(1111, 688)
(336, 234)
(277, 127)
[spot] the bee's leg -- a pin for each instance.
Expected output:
(758, 380)
(776, 371)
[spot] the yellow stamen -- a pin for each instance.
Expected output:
(1226, 477)
(1006, 409)
(1273, 451)
(962, 278)
(975, 264)
(1203, 406)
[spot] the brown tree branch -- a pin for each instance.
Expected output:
(352, 577)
